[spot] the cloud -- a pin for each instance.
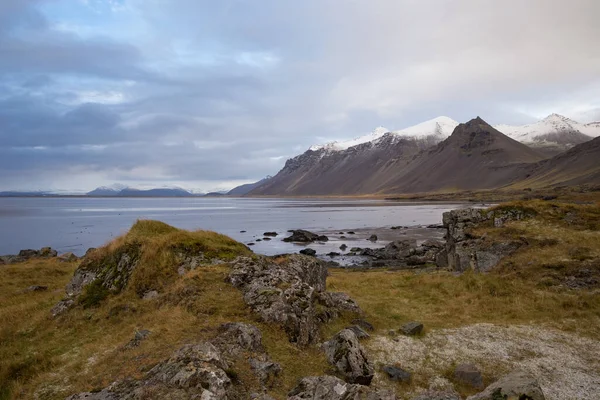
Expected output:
(207, 93)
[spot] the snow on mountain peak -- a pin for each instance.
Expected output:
(345, 144)
(553, 123)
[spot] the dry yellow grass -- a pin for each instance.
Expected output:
(81, 351)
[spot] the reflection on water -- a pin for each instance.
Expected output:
(75, 224)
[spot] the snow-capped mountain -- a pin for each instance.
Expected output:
(555, 133)
(437, 129)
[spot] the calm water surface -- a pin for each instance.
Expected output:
(75, 224)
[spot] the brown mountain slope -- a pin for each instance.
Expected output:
(576, 166)
(475, 156)
(357, 170)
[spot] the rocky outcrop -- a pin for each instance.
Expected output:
(465, 251)
(198, 371)
(27, 254)
(290, 292)
(332, 388)
(303, 236)
(517, 385)
(348, 356)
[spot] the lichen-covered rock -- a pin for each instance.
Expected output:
(289, 291)
(331, 388)
(348, 356)
(464, 251)
(412, 328)
(200, 371)
(517, 385)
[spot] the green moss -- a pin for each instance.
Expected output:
(93, 294)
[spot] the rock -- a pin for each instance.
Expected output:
(250, 244)
(308, 252)
(333, 254)
(303, 236)
(464, 251)
(47, 252)
(266, 371)
(356, 250)
(289, 291)
(341, 233)
(272, 234)
(149, 295)
(37, 288)
(343, 247)
(351, 233)
(412, 328)
(258, 240)
(396, 373)
(68, 257)
(266, 239)
(102, 395)
(236, 337)
(432, 244)
(332, 388)
(28, 253)
(373, 238)
(435, 226)
(359, 332)
(138, 337)
(347, 355)
(468, 374)
(438, 395)
(363, 324)
(61, 307)
(517, 385)
(396, 227)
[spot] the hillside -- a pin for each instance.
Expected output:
(577, 166)
(341, 168)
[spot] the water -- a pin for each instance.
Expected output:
(75, 224)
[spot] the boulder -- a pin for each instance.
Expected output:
(333, 254)
(468, 374)
(343, 247)
(359, 332)
(68, 257)
(516, 385)
(332, 388)
(308, 252)
(363, 324)
(271, 234)
(347, 355)
(289, 291)
(464, 251)
(28, 253)
(396, 373)
(47, 252)
(373, 238)
(303, 236)
(412, 328)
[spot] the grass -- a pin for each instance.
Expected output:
(82, 350)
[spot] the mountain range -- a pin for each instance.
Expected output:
(443, 155)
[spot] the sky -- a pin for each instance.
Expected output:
(206, 95)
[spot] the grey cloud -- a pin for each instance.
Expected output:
(219, 91)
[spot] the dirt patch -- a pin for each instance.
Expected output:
(566, 365)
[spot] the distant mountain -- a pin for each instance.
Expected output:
(244, 189)
(475, 156)
(430, 156)
(24, 194)
(552, 135)
(130, 192)
(342, 168)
